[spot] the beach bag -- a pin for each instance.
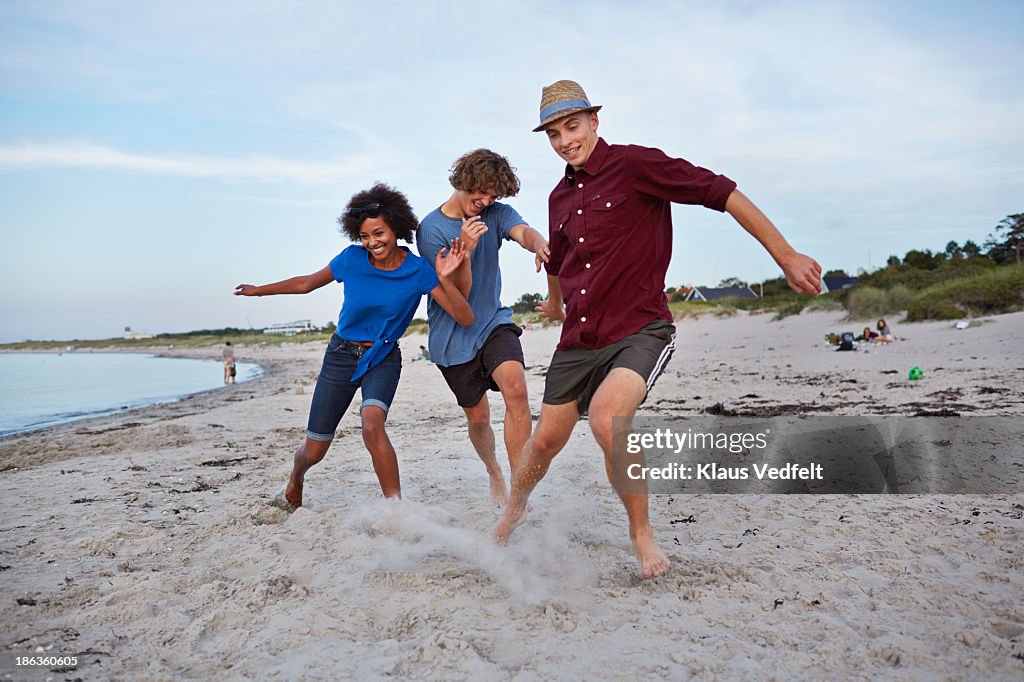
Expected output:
(846, 341)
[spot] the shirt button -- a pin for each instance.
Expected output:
(581, 240)
(583, 319)
(583, 291)
(579, 211)
(608, 205)
(559, 226)
(588, 266)
(580, 185)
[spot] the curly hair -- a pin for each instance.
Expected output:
(394, 209)
(484, 170)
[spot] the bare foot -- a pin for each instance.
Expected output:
(510, 520)
(652, 560)
(293, 491)
(290, 497)
(499, 493)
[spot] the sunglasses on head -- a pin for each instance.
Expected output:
(368, 211)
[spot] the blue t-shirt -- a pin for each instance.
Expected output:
(379, 304)
(450, 343)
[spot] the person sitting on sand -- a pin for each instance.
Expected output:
(383, 284)
(228, 354)
(885, 334)
(867, 335)
(610, 232)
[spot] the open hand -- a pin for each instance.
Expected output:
(449, 260)
(542, 254)
(472, 229)
(554, 313)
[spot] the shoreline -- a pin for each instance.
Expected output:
(126, 410)
(26, 448)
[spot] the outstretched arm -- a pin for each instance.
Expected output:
(295, 285)
(551, 307)
(533, 241)
(802, 272)
(447, 293)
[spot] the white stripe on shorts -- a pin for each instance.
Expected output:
(659, 366)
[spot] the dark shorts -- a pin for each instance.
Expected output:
(334, 388)
(576, 374)
(471, 380)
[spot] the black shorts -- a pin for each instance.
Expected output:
(471, 380)
(576, 374)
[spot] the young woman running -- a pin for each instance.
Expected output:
(383, 283)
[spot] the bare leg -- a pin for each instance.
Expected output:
(511, 379)
(619, 396)
(308, 455)
(385, 460)
(552, 433)
(481, 435)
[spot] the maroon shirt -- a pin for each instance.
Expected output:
(610, 227)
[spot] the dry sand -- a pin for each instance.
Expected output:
(144, 541)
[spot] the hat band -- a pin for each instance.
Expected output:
(556, 107)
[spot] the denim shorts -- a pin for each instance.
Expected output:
(335, 389)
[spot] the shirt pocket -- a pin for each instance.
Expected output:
(559, 235)
(560, 225)
(610, 211)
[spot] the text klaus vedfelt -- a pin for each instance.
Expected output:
(667, 439)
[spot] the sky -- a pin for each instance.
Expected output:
(153, 155)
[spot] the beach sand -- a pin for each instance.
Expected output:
(144, 541)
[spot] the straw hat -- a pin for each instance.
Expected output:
(560, 99)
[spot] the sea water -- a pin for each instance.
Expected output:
(44, 389)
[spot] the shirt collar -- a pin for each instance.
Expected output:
(594, 163)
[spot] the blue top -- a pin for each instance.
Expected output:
(450, 343)
(379, 304)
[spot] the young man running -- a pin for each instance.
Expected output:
(487, 355)
(611, 240)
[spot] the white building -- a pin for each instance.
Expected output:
(291, 328)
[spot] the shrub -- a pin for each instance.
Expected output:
(793, 307)
(899, 298)
(999, 290)
(823, 303)
(933, 307)
(865, 303)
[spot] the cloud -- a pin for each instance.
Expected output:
(258, 168)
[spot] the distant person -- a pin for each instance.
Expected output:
(610, 231)
(229, 362)
(383, 284)
(424, 354)
(885, 334)
(487, 355)
(867, 335)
